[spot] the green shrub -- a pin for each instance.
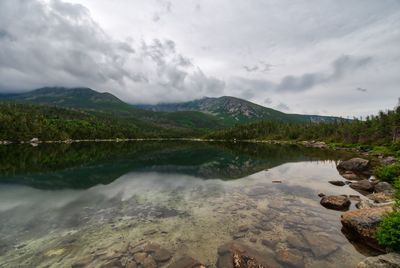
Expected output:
(397, 193)
(388, 172)
(388, 232)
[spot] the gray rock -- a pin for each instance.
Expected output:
(355, 164)
(337, 183)
(390, 260)
(389, 160)
(383, 187)
(363, 185)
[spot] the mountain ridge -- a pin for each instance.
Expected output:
(234, 109)
(204, 113)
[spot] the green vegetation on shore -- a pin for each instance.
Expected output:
(373, 131)
(388, 232)
(22, 122)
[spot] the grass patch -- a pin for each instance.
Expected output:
(388, 172)
(388, 232)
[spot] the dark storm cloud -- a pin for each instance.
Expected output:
(58, 43)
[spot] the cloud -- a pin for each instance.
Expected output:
(58, 43)
(282, 107)
(361, 89)
(260, 67)
(267, 101)
(166, 7)
(342, 66)
(250, 69)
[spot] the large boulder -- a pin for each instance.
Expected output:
(355, 165)
(390, 260)
(337, 202)
(363, 186)
(361, 224)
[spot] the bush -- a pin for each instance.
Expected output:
(388, 232)
(388, 172)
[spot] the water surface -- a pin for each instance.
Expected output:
(60, 203)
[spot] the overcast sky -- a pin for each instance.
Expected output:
(323, 57)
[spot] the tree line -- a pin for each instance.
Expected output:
(381, 129)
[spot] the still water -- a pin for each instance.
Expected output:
(61, 204)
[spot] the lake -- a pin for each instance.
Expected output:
(80, 203)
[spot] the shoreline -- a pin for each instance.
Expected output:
(311, 144)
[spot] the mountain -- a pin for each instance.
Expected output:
(190, 117)
(108, 105)
(80, 98)
(233, 110)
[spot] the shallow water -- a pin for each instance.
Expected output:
(62, 203)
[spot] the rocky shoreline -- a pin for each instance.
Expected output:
(361, 225)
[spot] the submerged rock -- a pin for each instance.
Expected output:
(337, 202)
(296, 241)
(290, 257)
(186, 262)
(320, 245)
(84, 262)
(361, 224)
(390, 260)
(237, 255)
(161, 255)
(355, 164)
(149, 262)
